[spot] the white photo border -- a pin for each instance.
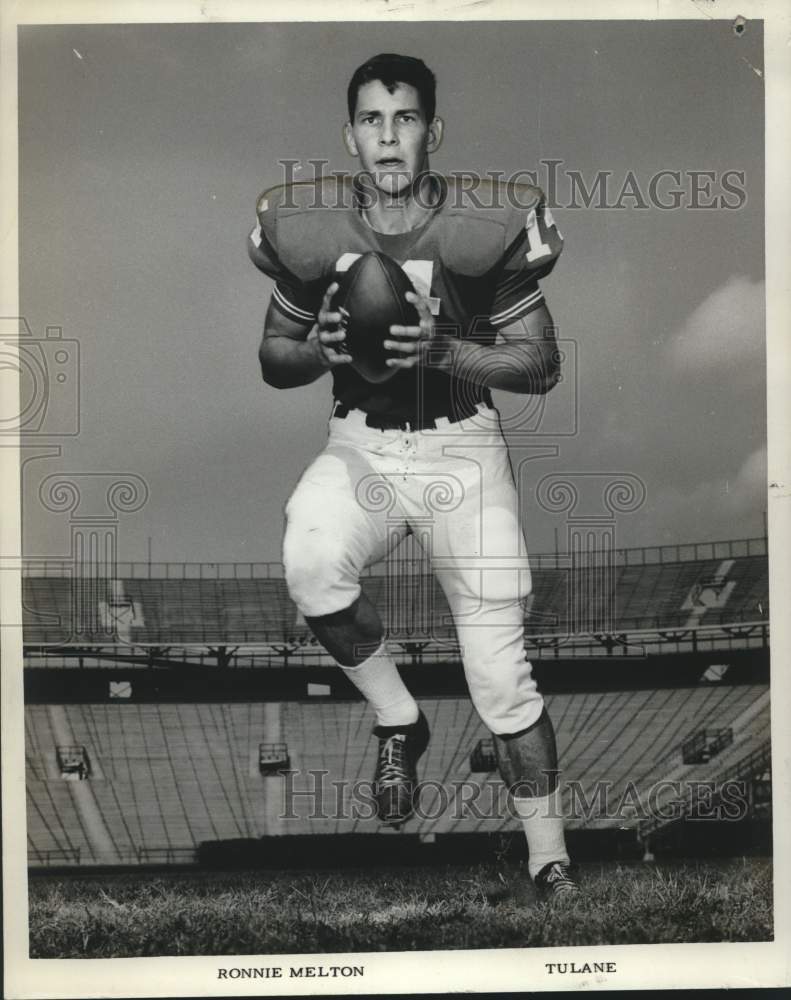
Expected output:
(492, 971)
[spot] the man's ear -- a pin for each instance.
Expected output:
(348, 140)
(435, 132)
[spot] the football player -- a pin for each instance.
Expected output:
(475, 260)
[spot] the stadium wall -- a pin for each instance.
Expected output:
(217, 684)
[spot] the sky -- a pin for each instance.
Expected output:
(143, 149)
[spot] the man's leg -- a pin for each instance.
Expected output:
(528, 760)
(330, 537)
(489, 617)
(353, 636)
(528, 764)
(504, 693)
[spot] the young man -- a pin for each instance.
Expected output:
(476, 268)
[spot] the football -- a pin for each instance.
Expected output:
(370, 298)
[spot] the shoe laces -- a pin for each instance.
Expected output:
(558, 878)
(392, 768)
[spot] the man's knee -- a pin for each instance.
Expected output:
(508, 710)
(501, 682)
(496, 588)
(319, 577)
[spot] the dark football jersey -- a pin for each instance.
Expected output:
(477, 258)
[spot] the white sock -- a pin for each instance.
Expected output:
(543, 824)
(378, 680)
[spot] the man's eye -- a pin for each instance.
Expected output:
(407, 118)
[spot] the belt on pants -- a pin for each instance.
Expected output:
(381, 421)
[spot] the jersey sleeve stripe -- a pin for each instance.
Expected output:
(520, 278)
(301, 315)
(519, 308)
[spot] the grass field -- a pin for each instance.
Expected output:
(393, 910)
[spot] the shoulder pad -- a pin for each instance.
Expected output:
(483, 219)
(304, 221)
(332, 192)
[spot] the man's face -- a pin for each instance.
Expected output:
(390, 135)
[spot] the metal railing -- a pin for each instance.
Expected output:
(136, 855)
(36, 566)
(166, 855)
(751, 766)
(58, 856)
(277, 653)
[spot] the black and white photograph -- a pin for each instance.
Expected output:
(395, 490)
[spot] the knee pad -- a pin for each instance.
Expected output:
(508, 709)
(319, 578)
(499, 675)
(501, 586)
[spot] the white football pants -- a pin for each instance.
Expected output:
(454, 488)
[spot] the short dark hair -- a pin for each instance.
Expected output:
(391, 69)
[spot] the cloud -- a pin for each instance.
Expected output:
(753, 472)
(726, 330)
(728, 506)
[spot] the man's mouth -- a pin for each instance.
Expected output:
(390, 162)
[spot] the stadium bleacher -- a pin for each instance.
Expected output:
(162, 777)
(220, 610)
(174, 776)
(47, 609)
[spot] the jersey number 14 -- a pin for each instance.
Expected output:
(535, 238)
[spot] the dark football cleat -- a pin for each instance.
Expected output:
(395, 780)
(556, 881)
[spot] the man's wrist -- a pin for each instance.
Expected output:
(317, 354)
(440, 353)
(450, 355)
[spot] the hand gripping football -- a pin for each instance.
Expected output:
(370, 298)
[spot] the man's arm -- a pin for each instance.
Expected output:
(294, 354)
(526, 362)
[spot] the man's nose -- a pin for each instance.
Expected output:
(387, 136)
